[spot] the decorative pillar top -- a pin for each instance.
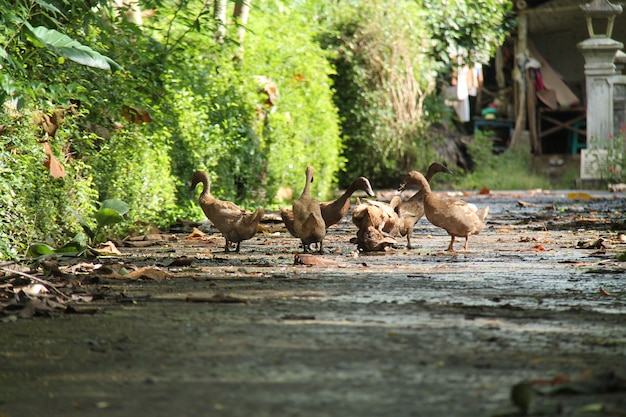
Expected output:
(600, 9)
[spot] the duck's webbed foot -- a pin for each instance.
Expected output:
(231, 246)
(320, 251)
(451, 245)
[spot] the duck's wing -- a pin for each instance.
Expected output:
(287, 216)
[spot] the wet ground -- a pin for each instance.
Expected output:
(540, 296)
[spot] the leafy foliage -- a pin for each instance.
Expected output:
(302, 126)
(381, 83)
(132, 111)
(34, 205)
(466, 32)
(609, 157)
(494, 171)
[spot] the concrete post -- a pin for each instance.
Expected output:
(599, 52)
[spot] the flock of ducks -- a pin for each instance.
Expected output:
(378, 222)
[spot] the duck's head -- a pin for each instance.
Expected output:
(413, 178)
(364, 184)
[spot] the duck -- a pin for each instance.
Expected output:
(332, 211)
(382, 216)
(370, 239)
(412, 210)
(235, 224)
(457, 217)
(377, 222)
(308, 223)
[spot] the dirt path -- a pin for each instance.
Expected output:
(539, 295)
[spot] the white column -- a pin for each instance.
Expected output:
(599, 56)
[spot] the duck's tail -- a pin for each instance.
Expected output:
(482, 213)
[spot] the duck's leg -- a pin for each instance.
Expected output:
(466, 242)
(237, 249)
(321, 252)
(305, 248)
(408, 239)
(450, 247)
(227, 246)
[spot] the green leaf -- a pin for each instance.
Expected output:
(71, 49)
(117, 205)
(83, 223)
(38, 249)
(71, 248)
(108, 216)
(47, 6)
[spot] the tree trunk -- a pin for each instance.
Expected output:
(132, 10)
(242, 10)
(220, 18)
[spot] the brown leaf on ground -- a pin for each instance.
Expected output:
(140, 243)
(196, 234)
(578, 196)
(596, 244)
(108, 248)
(148, 272)
(56, 169)
(218, 298)
(605, 292)
(306, 259)
(182, 261)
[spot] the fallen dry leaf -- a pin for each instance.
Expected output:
(148, 272)
(196, 233)
(140, 243)
(578, 196)
(605, 292)
(108, 248)
(182, 261)
(305, 259)
(218, 298)
(56, 169)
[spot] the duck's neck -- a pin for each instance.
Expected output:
(349, 191)
(422, 182)
(307, 186)
(201, 177)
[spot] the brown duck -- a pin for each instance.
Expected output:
(456, 216)
(412, 210)
(376, 221)
(308, 223)
(332, 211)
(380, 215)
(234, 223)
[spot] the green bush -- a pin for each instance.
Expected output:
(507, 171)
(34, 205)
(302, 127)
(382, 79)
